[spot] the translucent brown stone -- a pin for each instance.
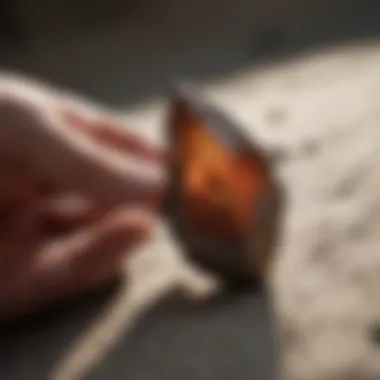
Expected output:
(223, 203)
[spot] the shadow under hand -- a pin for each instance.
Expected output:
(228, 336)
(30, 348)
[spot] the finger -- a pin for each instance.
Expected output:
(38, 137)
(64, 213)
(43, 220)
(47, 218)
(114, 136)
(64, 269)
(95, 253)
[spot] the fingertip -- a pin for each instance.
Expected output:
(133, 225)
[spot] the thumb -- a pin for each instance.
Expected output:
(38, 138)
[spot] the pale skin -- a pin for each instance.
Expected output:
(77, 196)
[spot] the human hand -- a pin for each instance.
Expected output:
(77, 195)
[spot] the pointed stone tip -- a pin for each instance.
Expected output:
(187, 92)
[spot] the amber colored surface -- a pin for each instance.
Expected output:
(221, 185)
